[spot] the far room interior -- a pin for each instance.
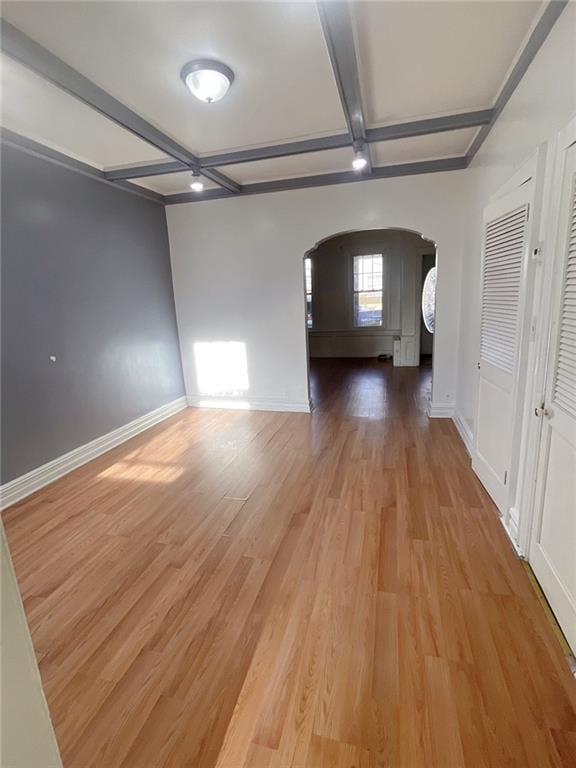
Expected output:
(366, 301)
(288, 384)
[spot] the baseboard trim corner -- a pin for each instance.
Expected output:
(247, 404)
(38, 478)
(440, 410)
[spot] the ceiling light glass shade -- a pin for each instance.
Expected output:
(208, 80)
(359, 163)
(197, 186)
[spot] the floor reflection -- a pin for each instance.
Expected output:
(369, 387)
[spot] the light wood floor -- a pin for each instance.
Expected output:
(266, 590)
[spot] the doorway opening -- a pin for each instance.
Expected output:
(370, 301)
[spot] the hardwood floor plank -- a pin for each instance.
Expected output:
(271, 590)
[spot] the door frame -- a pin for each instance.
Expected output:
(532, 170)
(434, 411)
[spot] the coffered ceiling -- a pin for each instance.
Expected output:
(413, 61)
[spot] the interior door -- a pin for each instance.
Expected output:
(553, 543)
(505, 263)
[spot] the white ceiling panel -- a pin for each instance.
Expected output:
(172, 183)
(429, 147)
(38, 110)
(329, 161)
(284, 87)
(430, 58)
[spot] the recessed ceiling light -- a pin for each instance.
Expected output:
(197, 185)
(207, 79)
(360, 157)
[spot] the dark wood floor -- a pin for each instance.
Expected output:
(266, 590)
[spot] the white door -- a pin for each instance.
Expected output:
(553, 542)
(505, 266)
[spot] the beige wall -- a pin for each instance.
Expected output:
(334, 333)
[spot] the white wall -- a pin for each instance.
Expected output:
(543, 102)
(237, 271)
(27, 736)
(334, 333)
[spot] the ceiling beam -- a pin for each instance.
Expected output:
(28, 146)
(422, 127)
(540, 32)
(324, 180)
(144, 171)
(339, 36)
(30, 54)
(336, 141)
(429, 125)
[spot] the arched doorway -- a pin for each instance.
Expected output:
(364, 302)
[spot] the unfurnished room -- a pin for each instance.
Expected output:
(288, 384)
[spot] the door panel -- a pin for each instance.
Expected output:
(496, 411)
(559, 510)
(553, 544)
(504, 275)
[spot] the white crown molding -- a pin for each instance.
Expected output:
(440, 410)
(23, 486)
(246, 404)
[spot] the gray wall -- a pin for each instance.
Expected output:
(85, 277)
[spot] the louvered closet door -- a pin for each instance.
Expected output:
(503, 276)
(553, 545)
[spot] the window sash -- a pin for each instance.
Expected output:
(368, 290)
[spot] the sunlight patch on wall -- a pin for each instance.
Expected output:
(221, 368)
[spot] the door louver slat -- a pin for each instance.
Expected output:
(503, 252)
(565, 374)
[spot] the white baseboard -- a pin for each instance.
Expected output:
(464, 431)
(440, 410)
(246, 404)
(23, 486)
(510, 523)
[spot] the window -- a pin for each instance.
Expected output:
(308, 274)
(368, 290)
(429, 300)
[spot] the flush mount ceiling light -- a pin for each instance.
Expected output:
(207, 79)
(360, 160)
(197, 185)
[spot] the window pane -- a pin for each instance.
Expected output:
(368, 289)
(368, 308)
(309, 310)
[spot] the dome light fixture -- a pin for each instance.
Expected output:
(197, 185)
(207, 79)
(360, 160)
